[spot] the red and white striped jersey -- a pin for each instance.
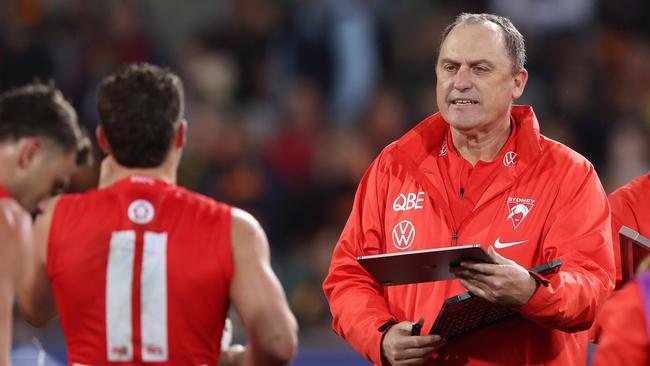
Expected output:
(141, 273)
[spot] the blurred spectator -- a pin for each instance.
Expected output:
(290, 153)
(386, 119)
(336, 43)
(23, 56)
(548, 16)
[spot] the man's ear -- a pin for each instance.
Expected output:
(28, 150)
(520, 80)
(180, 134)
(101, 140)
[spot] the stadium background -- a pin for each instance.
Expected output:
(288, 101)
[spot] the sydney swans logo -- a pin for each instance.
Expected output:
(518, 209)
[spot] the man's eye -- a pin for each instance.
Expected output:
(449, 67)
(481, 69)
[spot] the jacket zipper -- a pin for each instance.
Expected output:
(456, 230)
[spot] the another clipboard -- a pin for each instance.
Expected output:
(465, 313)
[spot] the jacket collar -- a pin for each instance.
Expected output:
(428, 138)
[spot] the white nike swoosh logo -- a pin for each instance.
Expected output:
(500, 245)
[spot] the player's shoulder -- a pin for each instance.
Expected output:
(244, 221)
(84, 203)
(91, 195)
(196, 201)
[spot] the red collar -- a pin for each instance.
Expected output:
(141, 179)
(429, 135)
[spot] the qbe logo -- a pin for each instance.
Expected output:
(403, 234)
(409, 201)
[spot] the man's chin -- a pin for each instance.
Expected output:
(464, 123)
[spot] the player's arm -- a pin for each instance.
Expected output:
(35, 298)
(258, 296)
(14, 244)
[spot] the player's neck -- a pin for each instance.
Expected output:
(112, 172)
(157, 173)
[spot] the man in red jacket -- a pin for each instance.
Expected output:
(477, 172)
(40, 146)
(621, 325)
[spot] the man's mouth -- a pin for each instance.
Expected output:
(462, 102)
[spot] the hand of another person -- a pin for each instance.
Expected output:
(234, 355)
(504, 283)
(399, 347)
(231, 354)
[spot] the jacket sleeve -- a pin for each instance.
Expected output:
(578, 231)
(356, 300)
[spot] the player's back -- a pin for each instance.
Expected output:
(141, 273)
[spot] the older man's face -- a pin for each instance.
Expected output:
(476, 84)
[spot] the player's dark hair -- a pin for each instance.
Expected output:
(140, 108)
(39, 109)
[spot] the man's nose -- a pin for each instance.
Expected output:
(463, 79)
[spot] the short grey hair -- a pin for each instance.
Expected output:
(514, 40)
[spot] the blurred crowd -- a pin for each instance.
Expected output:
(288, 101)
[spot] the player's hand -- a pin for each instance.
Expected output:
(234, 355)
(504, 283)
(399, 347)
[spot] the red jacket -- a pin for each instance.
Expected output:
(544, 194)
(623, 335)
(630, 207)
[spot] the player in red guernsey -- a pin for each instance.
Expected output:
(142, 271)
(40, 145)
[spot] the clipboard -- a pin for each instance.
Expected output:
(634, 248)
(420, 265)
(465, 313)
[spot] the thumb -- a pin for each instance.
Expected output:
(497, 257)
